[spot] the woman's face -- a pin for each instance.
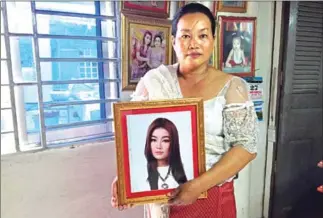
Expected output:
(157, 42)
(147, 39)
(194, 41)
(160, 142)
(236, 43)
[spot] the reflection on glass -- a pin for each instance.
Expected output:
(75, 7)
(65, 25)
(19, 17)
(66, 48)
(7, 143)
(4, 73)
(22, 57)
(5, 97)
(6, 121)
(59, 71)
(71, 114)
(72, 92)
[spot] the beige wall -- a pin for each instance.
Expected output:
(61, 183)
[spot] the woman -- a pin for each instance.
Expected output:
(164, 164)
(156, 54)
(142, 55)
(236, 56)
(230, 119)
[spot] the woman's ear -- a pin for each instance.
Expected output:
(173, 41)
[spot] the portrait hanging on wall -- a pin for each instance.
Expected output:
(160, 145)
(232, 6)
(237, 44)
(145, 45)
(148, 8)
(210, 4)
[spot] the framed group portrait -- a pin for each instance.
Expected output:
(160, 145)
(232, 6)
(237, 45)
(147, 8)
(146, 44)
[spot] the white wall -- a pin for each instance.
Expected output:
(249, 188)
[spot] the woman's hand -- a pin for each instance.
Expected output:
(114, 198)
(185, 194)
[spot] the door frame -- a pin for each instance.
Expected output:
(276, 82)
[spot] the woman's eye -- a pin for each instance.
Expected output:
(203, 36)
(153, 140)
(185, 36)
(166, 141)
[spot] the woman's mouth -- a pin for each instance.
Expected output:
(194, 55)
(159, 152)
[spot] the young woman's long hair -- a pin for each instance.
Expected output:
(174, 157)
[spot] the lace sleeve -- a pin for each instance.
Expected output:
(240, 120)
(141, 93)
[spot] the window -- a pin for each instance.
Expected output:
(65, 65)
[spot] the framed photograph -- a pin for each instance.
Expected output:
(146, 44)
(237, 44)
(160, 145)
(232, 6)
(210, 4)
(147, 8)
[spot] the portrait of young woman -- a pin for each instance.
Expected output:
(230, 122)
(158, 155)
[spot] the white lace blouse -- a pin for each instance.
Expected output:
(226, 122)
(229, 118)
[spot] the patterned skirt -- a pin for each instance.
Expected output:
(220, 203)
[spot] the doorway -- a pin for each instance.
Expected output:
(299, 138)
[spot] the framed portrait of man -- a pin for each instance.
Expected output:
(146, 44)
(160, 145)
(237, 45)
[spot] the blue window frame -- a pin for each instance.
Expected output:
(69, 60)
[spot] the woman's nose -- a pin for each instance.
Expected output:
(193, 43)
(159, 145)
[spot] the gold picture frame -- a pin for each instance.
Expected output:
(232, 6)
(139, 57)
(135, 125)
(159, 9)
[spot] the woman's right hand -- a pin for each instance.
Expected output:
(114, 197)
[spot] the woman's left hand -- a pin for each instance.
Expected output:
(185, 194)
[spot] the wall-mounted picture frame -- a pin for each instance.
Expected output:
(211, 4)
(146, 44)
(237, 45)
(159, 9)
(159, 144)
(232, 6)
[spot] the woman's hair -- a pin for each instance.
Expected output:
(174, 157)
(158, 36)
(144, 38)
(190, 9)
